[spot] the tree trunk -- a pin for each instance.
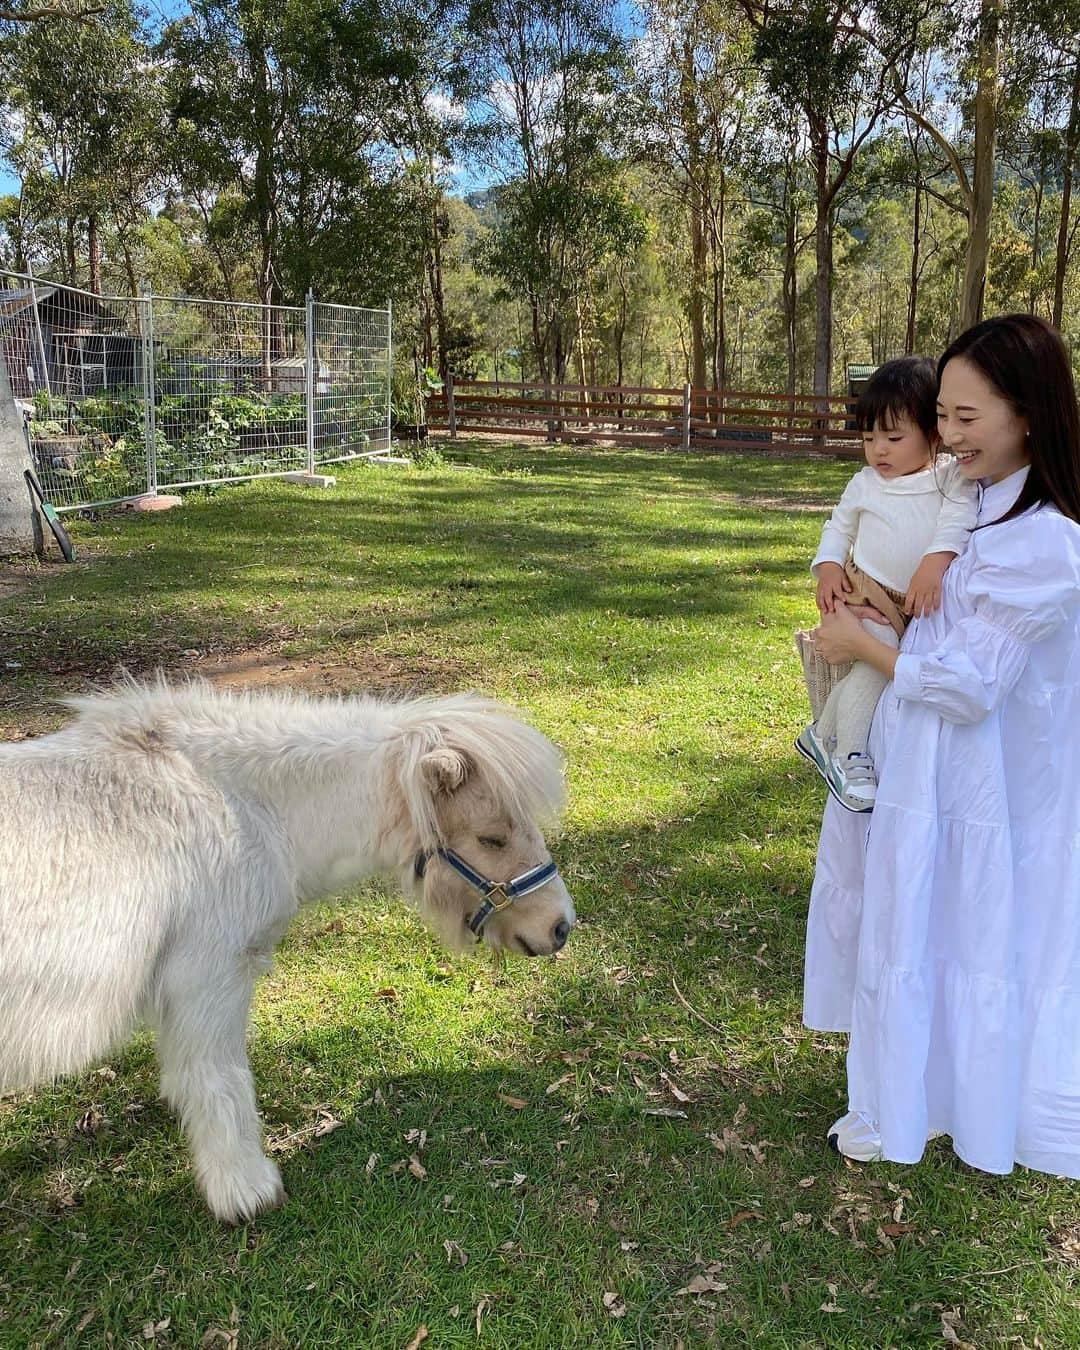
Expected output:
(720, 288)
(437, 293)
(791, 287)
(982, 179)
(93, 249)
(913, 280)
(1036, 231)
(699, 247)
(69, 242)
(823, 251)
(1072, 136)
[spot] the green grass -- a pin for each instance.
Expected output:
(639, 608)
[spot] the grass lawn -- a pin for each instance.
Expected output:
(595, 1165)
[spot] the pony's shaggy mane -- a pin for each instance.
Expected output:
(266, 732)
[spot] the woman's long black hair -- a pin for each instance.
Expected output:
(1025, 360)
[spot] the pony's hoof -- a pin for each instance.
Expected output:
(236, 1196)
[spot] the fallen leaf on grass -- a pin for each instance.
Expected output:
(669, 1111)
(614, 1305)
(417, 1168)
(387, 994)
(742, 1216)
(807, 1182)
(85, 1320)
(230, 1339)
(453, 1250)
(419, 1338)
(558, 1083)
(898, 1229)
(327, 1125)
(703, 1284)
(481, 1308)
(676, 1091)
(152, 1329)
(515, 1103)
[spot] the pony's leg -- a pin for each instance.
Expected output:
(202, 1023)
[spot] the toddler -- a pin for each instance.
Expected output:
(898, 525)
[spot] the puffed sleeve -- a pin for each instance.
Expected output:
(838, 536)
(959, 510)
(1025, 588)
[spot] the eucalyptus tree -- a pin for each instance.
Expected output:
(692, 91)
(546, 78)
(87, 146)
(834, 61)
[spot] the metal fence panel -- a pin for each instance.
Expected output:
(351, 382)
(228, 391)
(76, 360)
(131, 394)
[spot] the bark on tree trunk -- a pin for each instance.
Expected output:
(982, 179)
(823, 251)
(791, 289)
(1072, 136)
(93, 249)
(913, 283)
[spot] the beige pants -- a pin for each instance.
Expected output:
(843, 698)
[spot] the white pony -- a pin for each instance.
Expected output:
(153, 852)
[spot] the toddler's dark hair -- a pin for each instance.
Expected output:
(906, 387)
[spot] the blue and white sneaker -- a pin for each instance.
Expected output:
(851, 781)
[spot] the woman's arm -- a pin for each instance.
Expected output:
(1023, 591)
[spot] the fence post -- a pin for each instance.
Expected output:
(389, 373)
(687, 395)
(309, 379)
(40, 340)
(149, 389)
(451, 413)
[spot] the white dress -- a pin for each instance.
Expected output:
(946, 937)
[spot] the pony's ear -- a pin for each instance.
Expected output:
(445, 770)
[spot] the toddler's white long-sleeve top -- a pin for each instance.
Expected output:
(889, 524)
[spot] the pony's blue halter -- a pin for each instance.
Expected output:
(498, 895)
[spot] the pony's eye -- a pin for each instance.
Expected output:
(486, 841)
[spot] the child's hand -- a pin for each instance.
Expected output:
(924, 592)
(833, 587)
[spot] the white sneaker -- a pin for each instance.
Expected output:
(857, 781)
(811, 746)
(852, 781)
(855, 1136)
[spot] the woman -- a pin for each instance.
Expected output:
(946, 938)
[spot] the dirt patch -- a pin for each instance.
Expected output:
(357, 673)
(13, 580)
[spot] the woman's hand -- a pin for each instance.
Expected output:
(841, 637)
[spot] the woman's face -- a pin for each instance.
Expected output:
(978, 426)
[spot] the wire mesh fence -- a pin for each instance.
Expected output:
(126, 395)
(351, 381)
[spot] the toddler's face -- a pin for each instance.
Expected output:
(898, 449)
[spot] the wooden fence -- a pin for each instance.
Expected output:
(686, 419)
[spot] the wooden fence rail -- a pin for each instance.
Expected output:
(686, 418)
